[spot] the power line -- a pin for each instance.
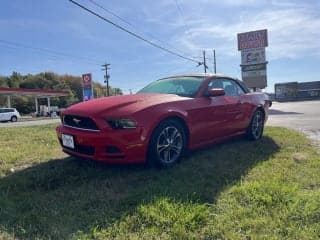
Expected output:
(54, 52)
(178, 7)
(180, 12)
(111, 13)
(133, 34)
(131, 25)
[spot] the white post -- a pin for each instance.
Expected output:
(36, 102)
(9, 101)
(48, 99)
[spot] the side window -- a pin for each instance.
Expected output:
(232, 88)
(1, 111)
(215, 83)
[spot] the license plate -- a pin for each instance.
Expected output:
(67, 141)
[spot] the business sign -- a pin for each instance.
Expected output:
(255, 79)
(253, 56)
(255, 76)
(254, 39)
(257, 73)
(253, 67)
(86, 80)
(87, 89)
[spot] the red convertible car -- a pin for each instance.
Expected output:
(163, 120)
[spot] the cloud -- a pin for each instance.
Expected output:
(292, 32)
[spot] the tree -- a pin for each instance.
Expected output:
(53, 81)
(14, 80)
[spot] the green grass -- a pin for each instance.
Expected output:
(268, 189)
(21, 147)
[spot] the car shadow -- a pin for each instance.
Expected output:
(61, 197)
(279, 112)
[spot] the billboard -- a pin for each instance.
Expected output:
(254, 39)
(253, 56)
(87, 89)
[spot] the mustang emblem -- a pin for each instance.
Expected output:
(76, 121)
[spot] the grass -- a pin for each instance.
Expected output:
(21, 147)
(268, 189)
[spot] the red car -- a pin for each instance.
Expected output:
(163, 120)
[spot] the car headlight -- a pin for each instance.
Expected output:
(122, 123)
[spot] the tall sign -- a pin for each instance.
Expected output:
(87, 87)
(253, 58)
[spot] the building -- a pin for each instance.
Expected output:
(295, 91)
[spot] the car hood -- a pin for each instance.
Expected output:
(121, 105)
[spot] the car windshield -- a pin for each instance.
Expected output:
(182, 86)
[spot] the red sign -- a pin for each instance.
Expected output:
(254, 39)
(86, 80)
(87, 87)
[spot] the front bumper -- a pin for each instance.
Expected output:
(110, 146)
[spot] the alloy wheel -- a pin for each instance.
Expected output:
(257, 125)
(169, 144)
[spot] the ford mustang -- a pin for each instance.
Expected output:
(164, 120)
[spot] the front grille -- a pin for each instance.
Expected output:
(87, 150)
(79, 122)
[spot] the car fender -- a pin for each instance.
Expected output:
(169, 113)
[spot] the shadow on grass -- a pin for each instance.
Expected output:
(56, 199)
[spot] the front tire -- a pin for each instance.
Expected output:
(255, 129)
(14, 119)
(167, 144)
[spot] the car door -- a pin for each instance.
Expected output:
(207, 119)
(1, 115)
(6, 114)
(236, 111)
(222, 115)
(212, 116)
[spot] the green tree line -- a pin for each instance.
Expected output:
(51, 81)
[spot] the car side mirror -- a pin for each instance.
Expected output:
(215, 92)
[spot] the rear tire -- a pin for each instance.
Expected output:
(167, 144)
(255, 129)
(14, 119)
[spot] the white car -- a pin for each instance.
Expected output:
(9, 114)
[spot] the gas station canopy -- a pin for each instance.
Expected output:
(35, 93)
(39, 93)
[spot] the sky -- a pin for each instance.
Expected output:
(56, 35)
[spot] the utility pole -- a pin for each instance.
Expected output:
(106, 77)
(204, 61)
(214, 61)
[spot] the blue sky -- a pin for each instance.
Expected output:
(187, 26)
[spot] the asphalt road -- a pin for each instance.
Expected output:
(301, 116)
